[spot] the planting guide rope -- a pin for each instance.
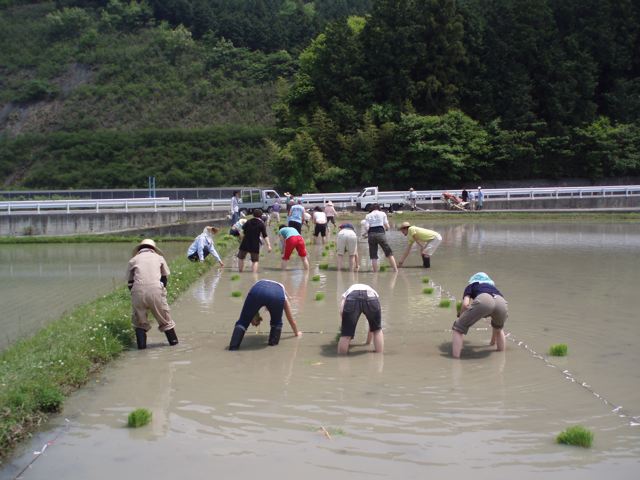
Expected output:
(634, 421)
(38, 453)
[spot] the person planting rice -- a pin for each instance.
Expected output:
(480, 299)
(347, 242)
(147, 277)
(254, 230)
(378, 224)
(203, 246)
(428, 241)
(290, 239)
(359, 299)
(273, 296)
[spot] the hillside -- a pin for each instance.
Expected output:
(329, 94)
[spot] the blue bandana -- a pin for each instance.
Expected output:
(480, 277)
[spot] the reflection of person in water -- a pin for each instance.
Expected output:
(273, 296)
(359, 299)
(481, 299)
(147, 277)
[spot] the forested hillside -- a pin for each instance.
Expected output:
(324, 95)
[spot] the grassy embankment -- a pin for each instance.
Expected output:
(36, 374)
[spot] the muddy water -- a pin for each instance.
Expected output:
(298, 409)
(41, 282)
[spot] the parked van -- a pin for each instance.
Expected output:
(258, 198)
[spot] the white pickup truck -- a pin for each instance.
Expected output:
(258, 198)
(387, 201)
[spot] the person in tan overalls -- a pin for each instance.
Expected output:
(147, 278)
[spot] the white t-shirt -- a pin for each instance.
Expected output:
(377, 218)
(319, 218)
(360, 286)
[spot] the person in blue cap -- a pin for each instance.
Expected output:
(272, 296)
(480, 299)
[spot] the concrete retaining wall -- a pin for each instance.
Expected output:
(86, 223)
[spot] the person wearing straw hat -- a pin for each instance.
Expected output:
(480, 299)
(330, 212)
(147, 277)
(428, 240)
(203, 245)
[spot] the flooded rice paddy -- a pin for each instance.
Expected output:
(40, 282)
(298, 409)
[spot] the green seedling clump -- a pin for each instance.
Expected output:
(236, 293)
(324, 254)
(558, 350)
(139, 418)
(383, 268)
(315, 278)
(458, 307)
(319, 296)
(576, 435)
(323, 266)
(425, 279)
(235, 276)
(445, 303)
(427, 290)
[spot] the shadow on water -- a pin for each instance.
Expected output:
(469, 352)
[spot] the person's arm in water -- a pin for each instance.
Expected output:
(466, 301)
(290, 319)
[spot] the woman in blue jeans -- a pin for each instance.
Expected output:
(272, 296)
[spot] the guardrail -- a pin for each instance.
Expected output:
(343, 200)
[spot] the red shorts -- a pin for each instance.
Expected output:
(296, 242)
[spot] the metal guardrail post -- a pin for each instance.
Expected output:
(126, 206)
(97, 207)
(184, 205)
(38, 209)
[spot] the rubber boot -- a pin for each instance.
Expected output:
(236, 338)
(426, 262)
(171, 336)
(141, 338)
(274, 336)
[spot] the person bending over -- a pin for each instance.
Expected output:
(359, 299)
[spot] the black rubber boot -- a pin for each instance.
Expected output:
(171, 336)
(236, 338)
(274, 336)
(426, 262)
(141, 338)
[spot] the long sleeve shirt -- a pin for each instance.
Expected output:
(199, 245)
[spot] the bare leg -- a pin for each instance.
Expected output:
(392, 261)
(240, 265)
(500, 340)
(352, 263)
(343, 345)
(305, 263)
(254, 267)
(378, 341)
(339, 261)
(283, 264)
(456, 343)
(374, 264)
(494, 335)
(369, 338)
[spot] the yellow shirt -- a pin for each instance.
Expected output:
(420, 234)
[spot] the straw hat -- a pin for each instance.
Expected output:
(404, 225)
(147, 243)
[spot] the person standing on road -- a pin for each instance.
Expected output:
(359, 299)
(427, 240)
(480, 299)
(235, 207)
(479, 199)
(147, 278)
(203, 246)
(254, 229)
(378, 225)
(413, 199)
(464, 195)
(273, 296)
